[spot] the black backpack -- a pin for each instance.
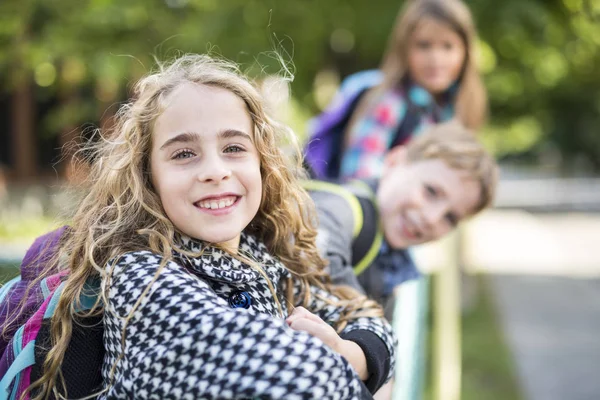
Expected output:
(367, 236)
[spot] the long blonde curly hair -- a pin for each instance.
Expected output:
(122, 212)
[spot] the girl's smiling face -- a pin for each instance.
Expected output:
(436, 55)
(204, 164)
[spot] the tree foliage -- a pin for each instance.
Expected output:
(539, 57)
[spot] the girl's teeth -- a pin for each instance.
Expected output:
(213, 205)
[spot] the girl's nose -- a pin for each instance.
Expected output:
(214, 170)
(438, 55)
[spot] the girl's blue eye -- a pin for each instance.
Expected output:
(233, 149)
(423, 44)
(182, 154)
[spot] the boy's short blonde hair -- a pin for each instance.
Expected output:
(459, 148)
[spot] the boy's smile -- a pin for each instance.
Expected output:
(407, 228)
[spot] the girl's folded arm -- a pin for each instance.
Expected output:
(184, 339)
(373, 334)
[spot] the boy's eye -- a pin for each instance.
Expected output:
(234, 148)
(448, 46)
(182, 154)
(431, 191)
(452, 219)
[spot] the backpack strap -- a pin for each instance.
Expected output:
(23, 343)
(367, 235)
(4, 290)
(327, 131)
(367, 243)
(18, 376)
(25, 359)
(409, 123)
(349, 197)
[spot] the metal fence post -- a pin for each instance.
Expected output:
(410, 326)
(447, 325)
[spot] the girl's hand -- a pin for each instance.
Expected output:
(303, 320)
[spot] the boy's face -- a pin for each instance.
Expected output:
(423, 200)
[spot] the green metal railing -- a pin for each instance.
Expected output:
(410, 326)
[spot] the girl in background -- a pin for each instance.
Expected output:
(427, 75)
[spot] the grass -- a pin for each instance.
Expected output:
(488, 371)
(488, 368)
(26, 229)
(8, 271)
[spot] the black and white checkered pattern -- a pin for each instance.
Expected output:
(185, 341)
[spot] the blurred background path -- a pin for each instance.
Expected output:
(541, 263)
(544, 270)
(552, 327)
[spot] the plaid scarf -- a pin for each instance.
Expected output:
(373, 136)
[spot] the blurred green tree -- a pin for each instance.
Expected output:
(539, 57)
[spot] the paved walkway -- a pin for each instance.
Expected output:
(552, 325)
(545, 274)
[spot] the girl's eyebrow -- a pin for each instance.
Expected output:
(184, 137)
(232, 133)
(188, 137)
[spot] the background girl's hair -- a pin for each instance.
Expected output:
(121, 211)
(471, 98)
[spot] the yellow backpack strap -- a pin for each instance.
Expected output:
(371, 254)
(364, 191)
(351, 193)
(314, 185)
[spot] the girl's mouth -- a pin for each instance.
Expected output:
(217, 203)
(218, 206)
